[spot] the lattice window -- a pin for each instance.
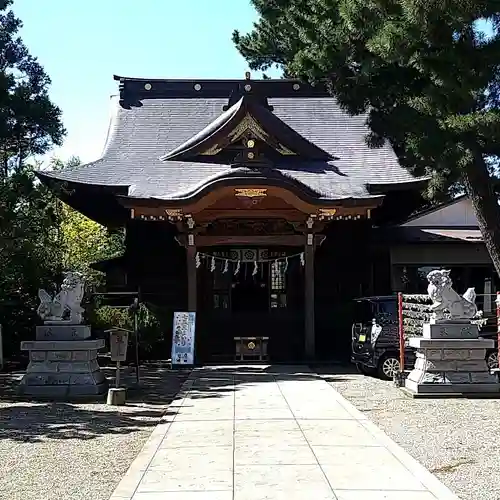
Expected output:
(278, 275)
(278, 284)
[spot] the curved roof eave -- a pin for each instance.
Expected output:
(97, 202)
(243, 176)
(416, 183)
(300, 190)
(47, 176)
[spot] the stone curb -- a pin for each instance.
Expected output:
(129, 483)
(429, 480)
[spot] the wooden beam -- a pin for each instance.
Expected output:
(292, 240)
(191, 276)
(310, 336)
(212, 214)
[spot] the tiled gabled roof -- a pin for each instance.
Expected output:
(144, 130)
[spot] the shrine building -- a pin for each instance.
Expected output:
(254, 203)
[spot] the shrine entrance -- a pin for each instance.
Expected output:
(250, 292)
(250, 262)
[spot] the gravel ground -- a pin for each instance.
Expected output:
(456, 439)
(61, 451)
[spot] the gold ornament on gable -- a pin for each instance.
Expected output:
(251, 192)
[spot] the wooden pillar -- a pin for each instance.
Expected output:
(191, 273)
(310, 338)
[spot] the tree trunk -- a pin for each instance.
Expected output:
(479, 187)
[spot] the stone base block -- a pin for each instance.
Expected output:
(451, 366)
(451, 344)
(48, 366)
(62, 345)
(450, 331)
(432, 377)
(63, 391)
(68, 378)
(62, 332)
(449, 389)
(63, 369)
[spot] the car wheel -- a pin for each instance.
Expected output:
(388, 367)
(492, 360)
(365, 370)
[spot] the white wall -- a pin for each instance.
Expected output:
(459, 213)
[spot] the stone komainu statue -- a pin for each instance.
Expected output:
(448, 304)
(64, 306)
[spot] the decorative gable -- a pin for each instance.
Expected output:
(247, 133)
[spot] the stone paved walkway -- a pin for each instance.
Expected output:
(271, 433)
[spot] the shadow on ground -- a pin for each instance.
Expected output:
(228, 379)
(26, 420)
(29, 421)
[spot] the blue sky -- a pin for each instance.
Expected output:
(82, 43)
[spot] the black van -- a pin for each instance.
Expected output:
(375, 338)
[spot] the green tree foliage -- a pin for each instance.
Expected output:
(150, 327)
(83, 241)
(29, 252)
(29, 122)
(425, 72)
(40, 237)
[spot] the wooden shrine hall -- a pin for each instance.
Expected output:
(250, 202)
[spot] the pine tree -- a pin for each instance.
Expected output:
(426, 72)
(30, 124)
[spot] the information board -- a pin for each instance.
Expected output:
(118, 342)
(183, 338)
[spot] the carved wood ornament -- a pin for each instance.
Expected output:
(250, 197)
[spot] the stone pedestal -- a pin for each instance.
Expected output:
(451, 360)
(63, 363)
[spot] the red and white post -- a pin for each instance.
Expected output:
(401, 334)
(498, 327)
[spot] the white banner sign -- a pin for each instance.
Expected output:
(183, 338)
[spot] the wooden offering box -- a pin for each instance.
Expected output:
(251, 348)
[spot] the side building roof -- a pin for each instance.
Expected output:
(451, 221)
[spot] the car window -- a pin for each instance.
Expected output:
(363, 311)
(386, 310)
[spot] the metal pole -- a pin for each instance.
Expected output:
(117, 375)
(136, 333)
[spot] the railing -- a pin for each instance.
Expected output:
(415, 309)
